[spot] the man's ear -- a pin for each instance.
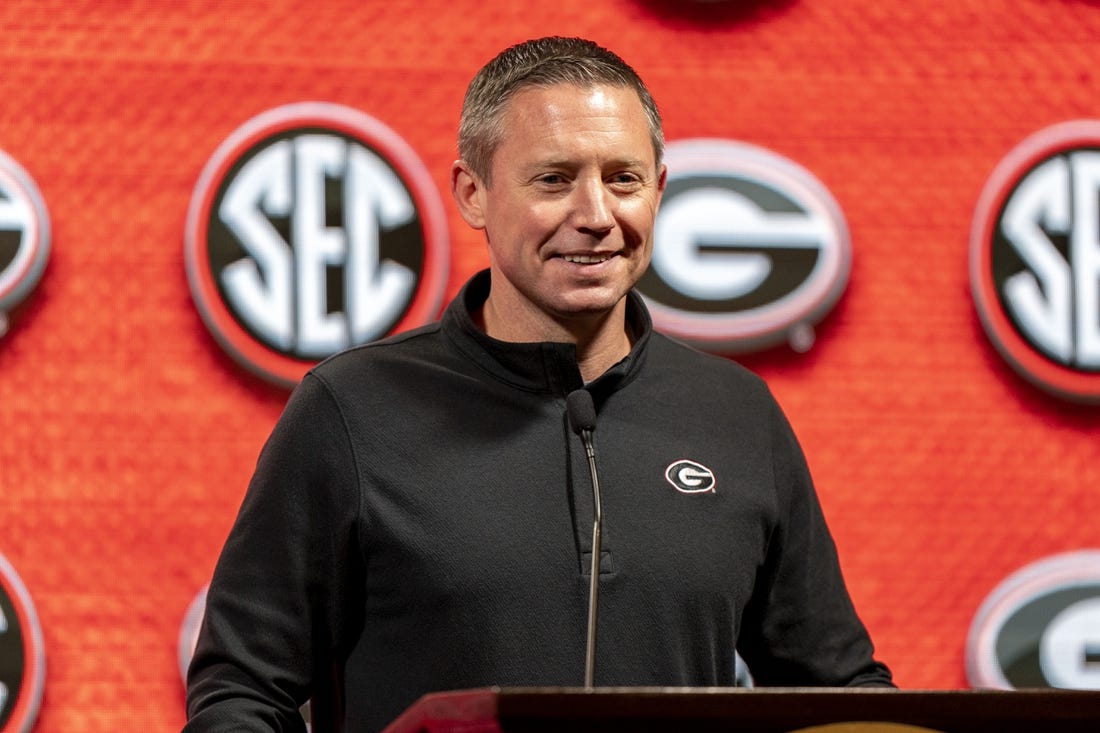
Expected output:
(468, 190)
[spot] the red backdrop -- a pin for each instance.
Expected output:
(127, 436)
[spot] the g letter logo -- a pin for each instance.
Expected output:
(751, 249)
(690, 477)
(1040, 627)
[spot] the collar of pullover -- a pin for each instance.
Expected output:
(540, 366)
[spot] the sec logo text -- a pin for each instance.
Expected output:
(1035, 260)
(313, 228)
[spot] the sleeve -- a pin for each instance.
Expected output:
(285, 602)
(800, 628)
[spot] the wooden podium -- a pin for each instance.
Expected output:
(737, 710)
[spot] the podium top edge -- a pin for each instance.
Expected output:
(755, 709)
(1031, 692)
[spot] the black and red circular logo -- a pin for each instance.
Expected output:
(751, 250)
(313, 228)
(24, 236)
(22, 654)
(1035, 259)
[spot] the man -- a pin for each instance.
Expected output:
(419, 518)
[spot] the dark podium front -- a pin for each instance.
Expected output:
(805, 710)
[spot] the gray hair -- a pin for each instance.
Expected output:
(542, 62)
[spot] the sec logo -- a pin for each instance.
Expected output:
(1040, 627)
(1035, 260)
(751, 250)
(24, 236)
(313, 228)
(22, 654)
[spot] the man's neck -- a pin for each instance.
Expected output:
(601, 340)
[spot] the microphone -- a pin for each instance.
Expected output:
(582, 419)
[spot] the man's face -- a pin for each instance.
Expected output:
(569, 214)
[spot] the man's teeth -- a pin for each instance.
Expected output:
(587, 259)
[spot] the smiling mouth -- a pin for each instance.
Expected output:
(587, 259)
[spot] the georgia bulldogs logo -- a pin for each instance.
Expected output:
(1035, 259)
(689, 477)
(24, 236)
(1040, 627)
(22, 654)
(750, 249)
(313, 228)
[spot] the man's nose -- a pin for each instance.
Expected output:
(594, 207)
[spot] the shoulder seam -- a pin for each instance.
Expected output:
(350, 443)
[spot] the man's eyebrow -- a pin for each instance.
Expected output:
(551, 163)
(568, 163)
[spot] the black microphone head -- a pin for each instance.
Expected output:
(581, 411)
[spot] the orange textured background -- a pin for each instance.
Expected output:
(127, 436)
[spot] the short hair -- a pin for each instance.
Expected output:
(541, 62)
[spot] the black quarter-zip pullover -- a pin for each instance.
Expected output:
(420, 520)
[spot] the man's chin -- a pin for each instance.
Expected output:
(586, 308)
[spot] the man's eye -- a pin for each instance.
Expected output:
(551, 179)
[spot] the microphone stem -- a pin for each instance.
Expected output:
(593, 588)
